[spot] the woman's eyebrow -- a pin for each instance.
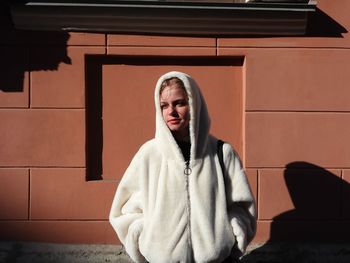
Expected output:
(180, 100)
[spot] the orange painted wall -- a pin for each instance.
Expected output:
(296, 117)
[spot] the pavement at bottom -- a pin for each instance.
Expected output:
(286, 252)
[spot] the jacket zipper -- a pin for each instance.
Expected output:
(187, 172)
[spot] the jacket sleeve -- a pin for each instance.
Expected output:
(240, 201)
(126, 215)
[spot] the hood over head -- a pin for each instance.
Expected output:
(199, 124)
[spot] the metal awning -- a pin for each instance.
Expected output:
(196, 17)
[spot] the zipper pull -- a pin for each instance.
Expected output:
(187, 170)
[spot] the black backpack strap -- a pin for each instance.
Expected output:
(221, 156)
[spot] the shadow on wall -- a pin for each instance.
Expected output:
(94, 120)
(20, 52)
(319, 24)
(322, 25)
(319, 198)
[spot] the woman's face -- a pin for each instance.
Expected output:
(175, 110)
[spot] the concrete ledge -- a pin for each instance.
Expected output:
(301, 252)
(28, 252)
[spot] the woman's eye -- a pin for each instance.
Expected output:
(164, 106)
(182, 103)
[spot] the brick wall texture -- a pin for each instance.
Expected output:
(296, 126)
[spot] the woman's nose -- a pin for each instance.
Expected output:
(173, 111)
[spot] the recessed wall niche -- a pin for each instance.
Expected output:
(120, 111)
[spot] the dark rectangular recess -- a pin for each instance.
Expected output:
(94, 100)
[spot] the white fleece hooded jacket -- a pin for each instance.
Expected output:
(163, 215)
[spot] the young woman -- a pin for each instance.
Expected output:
(175, 202)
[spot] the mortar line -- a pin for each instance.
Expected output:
(29, 194)
(297, 111)
(57, 220)
(257, 193)
(42, 167)
(341, 193)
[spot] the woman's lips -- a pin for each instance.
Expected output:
(174, 121)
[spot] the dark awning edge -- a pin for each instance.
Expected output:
(206, 19)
